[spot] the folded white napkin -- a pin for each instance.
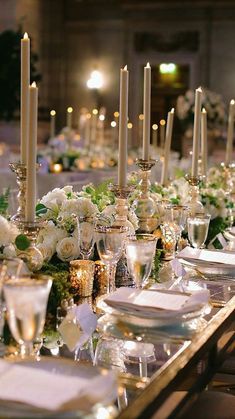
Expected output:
(46, 390)
(157, 301)
(210, 256)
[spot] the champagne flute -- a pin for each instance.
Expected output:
(110, 243)
(26, 302)
(198, 226)
(140, 251)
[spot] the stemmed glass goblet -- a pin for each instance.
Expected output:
(176, 217)
(86, 226)
(110, 243)
(198, 226)
(26, 302)
(140, 251)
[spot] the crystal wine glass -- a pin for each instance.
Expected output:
(86, 226)
(140, 251)
(110, 243)
(26, 302)
(198, 226)
(176, 217)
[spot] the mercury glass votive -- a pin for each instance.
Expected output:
(101, 277)
(82, 277)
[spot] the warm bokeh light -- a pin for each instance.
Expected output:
(129, 125)
(141, 117)
(167, 68)
(155, 127)
(95, 81)
(101, 117)
(162, 122)
(116, 114)
(70, 109)
(95, 111)
(88, 116)
(113, 124)
(53, 113)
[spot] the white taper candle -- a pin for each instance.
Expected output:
(204, 141)
(147, 111)
(196, 131)
(123, 119)
(229, 145)
(31, 185)
(169, 128)
(24, 97)
(52, 123)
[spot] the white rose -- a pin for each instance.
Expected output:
(9, 251)
(67, 249)
(46, 251)
(54, 199)
(8, 232)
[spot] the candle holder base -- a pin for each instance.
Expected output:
(32, 255)
(20, 171)
(229, 179)
(144, 206)
(121, 205)
(194, 203)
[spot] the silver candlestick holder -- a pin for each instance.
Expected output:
(121, 206)
(21, 174)
(144, 206)
(20, 170)
(229, 179)
(194, 203)
(32, 255)
(121, 193)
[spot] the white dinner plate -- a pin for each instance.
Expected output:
(9, 409)
(209, 268)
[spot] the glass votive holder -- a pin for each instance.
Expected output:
(82, 277)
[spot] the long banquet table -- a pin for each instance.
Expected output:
(182, 368)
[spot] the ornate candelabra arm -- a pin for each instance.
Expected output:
(121, 205)
(144, 206)
(194, 203)
(32, 255)
(20, 171)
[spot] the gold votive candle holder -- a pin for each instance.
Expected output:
(82, 277)
(100, 277)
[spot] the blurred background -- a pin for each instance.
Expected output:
(188, 43)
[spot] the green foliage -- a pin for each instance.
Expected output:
(175, 201)
(217, 225)
(40, 209)
(100, 195)
(4, 198)
(22, 242)
(157, 263)
(10, 44)
(60, 290)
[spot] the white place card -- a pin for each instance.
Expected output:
(78, 326)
